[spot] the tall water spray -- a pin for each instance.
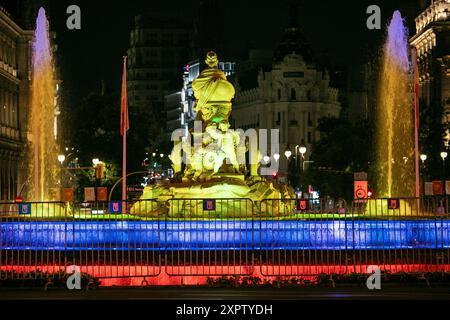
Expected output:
(395, 116)
(43, 153)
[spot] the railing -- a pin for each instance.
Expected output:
(215, 237)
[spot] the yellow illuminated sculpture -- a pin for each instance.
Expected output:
(215, 165)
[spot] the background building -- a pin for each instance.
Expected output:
(15, 62)
(159, 48)
(179, 105)
(432, 41)
(291, 96)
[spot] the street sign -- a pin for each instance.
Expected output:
(102, 194)
(115, 207)
(89, 194)
(438, 188)
(134, 192)
(302, 205)
(209, 205)
(360, 189)
(360, 176)
(24, 208)
(393, 203)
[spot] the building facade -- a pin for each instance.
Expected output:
(159, 47)
(291, 97)
(432, 43)
(15, 64)
(180, 105)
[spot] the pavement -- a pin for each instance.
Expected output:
(397, 292)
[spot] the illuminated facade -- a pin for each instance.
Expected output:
(15, 59)
(291, 97)
(179, 105)
(432, 41)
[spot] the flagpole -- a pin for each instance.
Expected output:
(124, 139)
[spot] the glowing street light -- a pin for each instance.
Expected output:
(162, 155)
(302, 150)
(288, 154)
(423, 157)
(153, 154)
(266, 159)
(276, 156)
(443, 155)
(61, 158)
(95, 161)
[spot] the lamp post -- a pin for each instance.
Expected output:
(276, 156)
(423, 157)
(61, 159)
(443, 156)
(288, 154)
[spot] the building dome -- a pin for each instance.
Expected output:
(293, 40)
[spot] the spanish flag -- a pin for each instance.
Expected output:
(124, 122)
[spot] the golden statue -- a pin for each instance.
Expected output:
(213, 93)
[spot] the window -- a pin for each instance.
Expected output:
(293, 94)
(279, 94)
(309, 137)
(309, 119)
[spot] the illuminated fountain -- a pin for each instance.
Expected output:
(395, 124)
(43, 151)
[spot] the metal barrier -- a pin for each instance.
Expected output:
(305, 241)
(116, 244)
(215, 237)
(27, 232)
(209, 237)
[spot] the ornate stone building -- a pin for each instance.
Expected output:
(15, 60)
(292, 97)
(432, 41)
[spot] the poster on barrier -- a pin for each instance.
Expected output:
(115, 207)
(209, 205)
(24, 208)
(89, 194)
(438, 188)
(102, 194)
(68, 194)
(428, 188)
(447, 187)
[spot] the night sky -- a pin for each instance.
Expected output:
(335, 29)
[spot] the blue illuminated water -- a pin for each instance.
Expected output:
(226, 235)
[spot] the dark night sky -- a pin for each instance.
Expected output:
(337, 28)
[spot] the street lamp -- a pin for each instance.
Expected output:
(61, 158)
(302, 150)
(266, 159)
(423, 157)
(443, 156)
(276, 156)
(95, 161)
(162, 155)
(288, 154)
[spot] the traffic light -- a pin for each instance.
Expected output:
(100, 170)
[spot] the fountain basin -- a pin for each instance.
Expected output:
(226, 235)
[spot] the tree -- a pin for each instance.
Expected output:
(343, 149)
